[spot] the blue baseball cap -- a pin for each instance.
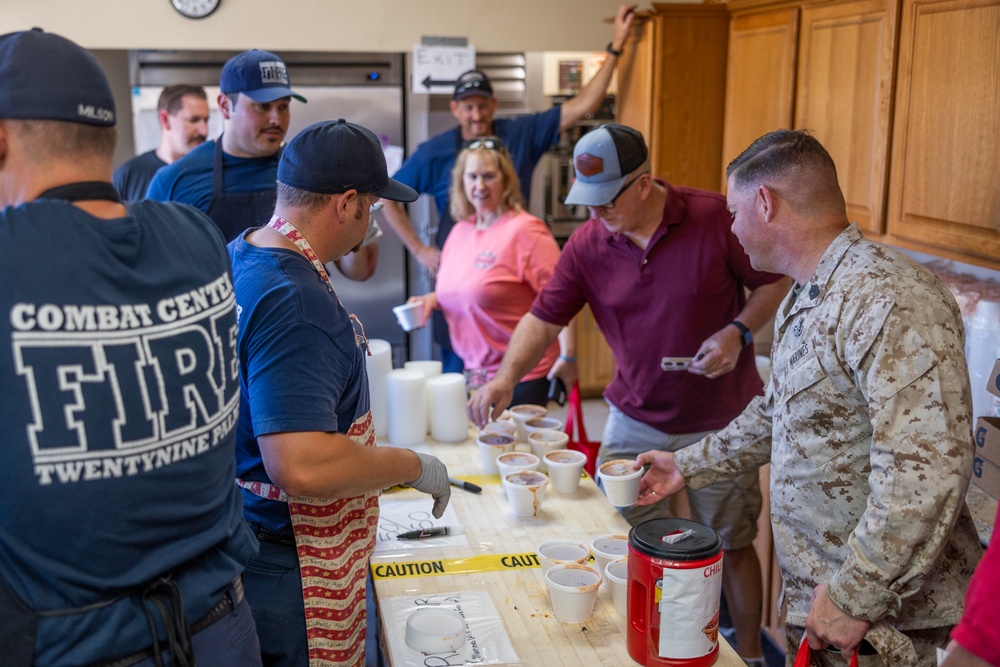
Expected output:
(603, 159)
(334, 156)
(260, 75)
(48, 77)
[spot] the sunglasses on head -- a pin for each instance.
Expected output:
(475, 84)
(492, 144)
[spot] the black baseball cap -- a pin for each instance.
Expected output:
(473, 83)
(334, 156)
(47, 77)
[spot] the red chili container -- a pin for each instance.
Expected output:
(674, 588)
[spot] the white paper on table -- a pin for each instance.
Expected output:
(399, 516)
(486, 639)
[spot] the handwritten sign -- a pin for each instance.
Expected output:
(435, 68)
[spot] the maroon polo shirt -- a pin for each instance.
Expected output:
(663, 301)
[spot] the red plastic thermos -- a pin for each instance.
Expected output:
(674, 588)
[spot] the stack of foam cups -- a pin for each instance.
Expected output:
(446, 400)
(407, 394)
(430, 369)
(378, 366)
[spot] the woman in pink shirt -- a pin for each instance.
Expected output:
(493, 264)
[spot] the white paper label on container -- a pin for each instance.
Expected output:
(689, 611)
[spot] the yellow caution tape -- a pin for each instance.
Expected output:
(433, 568)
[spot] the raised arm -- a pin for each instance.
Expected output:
(590, 96)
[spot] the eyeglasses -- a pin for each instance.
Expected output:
(492, 144)
(611, 204)
(360, 340)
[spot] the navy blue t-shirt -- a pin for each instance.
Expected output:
(117, 423)
(189, 180)
(132, 178)
(300, 368)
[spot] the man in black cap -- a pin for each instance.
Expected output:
(428, 170)
(121, 535)
(232, 178)
(306, 455)
(655, 257)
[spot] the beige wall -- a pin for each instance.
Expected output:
(320, 25)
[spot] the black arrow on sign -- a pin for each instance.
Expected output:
(428, 82)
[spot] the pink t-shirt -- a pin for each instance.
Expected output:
(488, 280)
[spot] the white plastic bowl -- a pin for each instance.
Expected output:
(435, 630)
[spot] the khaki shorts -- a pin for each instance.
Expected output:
(730, 507)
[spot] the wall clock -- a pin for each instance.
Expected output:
(195, 9)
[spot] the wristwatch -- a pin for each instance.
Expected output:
(745, 334)
(611, 50)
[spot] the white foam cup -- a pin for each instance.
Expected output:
(542, 424)
(509, 462)
(525, 492)
(545, 441)
(607, 548)
(521, 414)
(410, 315)
(561, 552)
(573, 591)
(616, 574)
(505, 426)
(492, 445)
(620, 482)
(565, 467)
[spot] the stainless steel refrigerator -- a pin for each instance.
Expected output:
(363, 88)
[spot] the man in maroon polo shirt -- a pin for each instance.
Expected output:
(666, 280)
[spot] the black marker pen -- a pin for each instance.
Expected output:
(437, 531)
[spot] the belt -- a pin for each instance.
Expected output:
(230, 599)
(270, 536)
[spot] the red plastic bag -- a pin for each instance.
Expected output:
(804, 654)
(578, 440)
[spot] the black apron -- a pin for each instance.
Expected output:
(235, 212)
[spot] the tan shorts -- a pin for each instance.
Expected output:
(730, 507)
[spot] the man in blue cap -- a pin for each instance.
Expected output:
(232, 178)
(657, 257)
(306, 455)
(121, 532)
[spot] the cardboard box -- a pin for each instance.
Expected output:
(993, 384)
(986, 476)
(988, 439)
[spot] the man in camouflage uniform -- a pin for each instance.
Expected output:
(866, 420)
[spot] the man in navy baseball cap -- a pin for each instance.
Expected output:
(232, 178)
(134, 564)
(305, 422)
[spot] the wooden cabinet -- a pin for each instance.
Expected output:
(760, 79)
(844, 97)
(903, 93)
(826, 68)
(945, 165)
(596, 363)
(670, 89)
